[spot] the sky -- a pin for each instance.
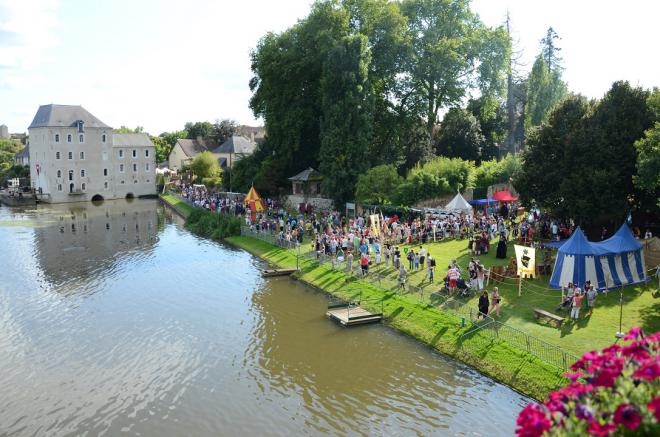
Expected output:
(161, 63)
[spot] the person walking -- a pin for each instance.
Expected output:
(577, 303)
(452, 275)
(495, 301)
(349, 262)
(402, 277)
(422, 256)
(481, 274)
(591, 298)
(411, 260)
(431, 264)
(483, 304)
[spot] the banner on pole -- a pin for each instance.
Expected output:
(375, 224)
(526, 259)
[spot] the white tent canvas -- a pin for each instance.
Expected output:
(458, 203)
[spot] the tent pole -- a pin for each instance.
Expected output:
(620, 334)
(519, 285)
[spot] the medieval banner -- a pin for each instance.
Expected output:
(375, 224)
(526, 258)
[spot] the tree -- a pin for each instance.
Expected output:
(205, 165)
(347, 117)
(647, 178)
(549, 50)
(452, 51)
(460, 136)
(163, 149)
(492, 117)
(223, 130)
(128, 130)
(544, 89)
(171, 137)
(378, 185)
(202, 129)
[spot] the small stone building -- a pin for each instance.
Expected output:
(306, 191)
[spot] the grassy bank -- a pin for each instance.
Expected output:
(422, 321)
(179, 205)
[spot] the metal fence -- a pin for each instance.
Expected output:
(482, 328)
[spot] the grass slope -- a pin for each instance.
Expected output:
(422, 321)
(179, 205)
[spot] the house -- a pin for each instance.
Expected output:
(234, 149)
(75, 157)
(185, 150)
(23, 157)
(256, 134)
(4, 132)
(306, 191)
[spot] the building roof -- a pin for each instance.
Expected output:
(307, 175)
(192, 147)
(237, 144)
(128, 140)
(64, 116)
(23, 153)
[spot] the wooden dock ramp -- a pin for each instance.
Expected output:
(350, 315)
(276, 272)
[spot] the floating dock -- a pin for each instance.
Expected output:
(277, 272)
(15, 200)
(348, 315)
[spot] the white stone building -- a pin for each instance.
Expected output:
(76, 157)
(4, 132)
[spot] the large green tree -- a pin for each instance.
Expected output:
(545, 89)
(452, 52)
(378, 185)
(347, 117)
(460, 136)
(202, 129)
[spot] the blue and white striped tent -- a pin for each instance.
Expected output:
(611, 263)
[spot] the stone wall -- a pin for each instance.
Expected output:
(318, 203)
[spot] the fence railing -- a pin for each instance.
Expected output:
(482, 328)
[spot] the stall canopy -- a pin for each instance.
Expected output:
(480, 201)
(458, 203)
(611, 263)
(504, 196)
(253, 201)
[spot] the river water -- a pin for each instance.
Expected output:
(116, 320)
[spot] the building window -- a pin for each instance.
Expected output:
(121, 153)
(82, 173)
(59, 187)
(135, 181)
(134, 167)
(81, 138)
(134, 153)
(105, 172)
(146, 153)
(57, 155)
(69, 138)
(82, 155)
(147, 167)
(59, 173)
(121, 168)
(70, 155)
(57, 138)
(148, 180)
(70, 175)
(103, 138)
(122, 182)
(105, 185)
(83, 186)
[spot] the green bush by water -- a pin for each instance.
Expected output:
(213, 225)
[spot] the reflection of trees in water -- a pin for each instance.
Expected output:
(345, 376)
(84, 242)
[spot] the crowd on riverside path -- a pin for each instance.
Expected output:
(398, 244)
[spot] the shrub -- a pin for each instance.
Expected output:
(213, 225)
(615, 391)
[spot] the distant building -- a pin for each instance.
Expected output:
(23, 157)
(235, 148)
(74, 157)
(306, 192)
(185, 150)
(256, 134)
(4, 132)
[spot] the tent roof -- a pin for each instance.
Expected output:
(579, 245)
(480, 201)
(622, 241)
(458, 203)
(504, 196)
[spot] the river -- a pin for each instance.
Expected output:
(116, 320)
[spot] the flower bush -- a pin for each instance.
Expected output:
(612, 392)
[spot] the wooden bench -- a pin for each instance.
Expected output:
(542, 314)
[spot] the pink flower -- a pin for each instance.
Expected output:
(636, 351)
(573, 376)
(532, 421)
(649, 370)
(654, 407)
(634, 333)
(597, 429)
(627, 415)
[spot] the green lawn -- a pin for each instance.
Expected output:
(592, 331)
(436, 328)
(182, 207)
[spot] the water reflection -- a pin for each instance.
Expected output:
(84, 242)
